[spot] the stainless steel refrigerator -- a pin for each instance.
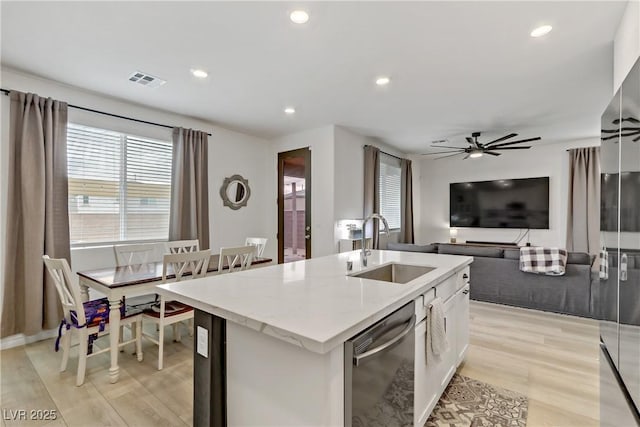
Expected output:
(619, 291)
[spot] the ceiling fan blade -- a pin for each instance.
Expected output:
(636, 139)
(505, 144)
(511, 135)
(491, 153)
(442, 152)
(470, 140)
(626, 119)
(466, 157)
(450, 155)
(446, 146)
(509, 148)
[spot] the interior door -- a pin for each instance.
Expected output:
(294, 205)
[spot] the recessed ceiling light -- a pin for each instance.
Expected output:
(289, 110)
(541, 31)
(383, 81)
(475, 155)
(201, 74)
(299, 17)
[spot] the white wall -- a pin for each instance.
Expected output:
(229, 153)
(337, 180)
(626, 45)
(550, 160)
(349, 176)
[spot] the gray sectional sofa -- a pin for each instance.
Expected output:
(496, 277)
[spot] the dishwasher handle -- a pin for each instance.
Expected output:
(357, 360)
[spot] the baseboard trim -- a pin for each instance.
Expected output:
(21, 339)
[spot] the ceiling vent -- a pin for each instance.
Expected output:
(146, 79)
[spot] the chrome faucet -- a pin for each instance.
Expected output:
(365, 251)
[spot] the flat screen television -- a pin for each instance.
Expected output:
(504, 203)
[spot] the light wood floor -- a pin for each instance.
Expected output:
(550, 358)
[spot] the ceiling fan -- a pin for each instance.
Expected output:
(477, 149)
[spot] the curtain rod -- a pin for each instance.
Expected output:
(6, 92)
(383, 152)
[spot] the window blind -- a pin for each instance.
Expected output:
(389, 190)
(119, 186)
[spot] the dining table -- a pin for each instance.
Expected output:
(121, 282)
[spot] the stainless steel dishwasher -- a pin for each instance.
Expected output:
(378, 374)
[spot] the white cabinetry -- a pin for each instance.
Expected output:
(432, 374)
(462, 323)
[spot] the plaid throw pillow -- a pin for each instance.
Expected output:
(548, 261)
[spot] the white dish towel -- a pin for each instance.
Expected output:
(436, 333)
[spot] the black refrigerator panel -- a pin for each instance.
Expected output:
(609, 225)
(629, 266)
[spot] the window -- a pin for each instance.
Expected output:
(389, 190)
(119, 186)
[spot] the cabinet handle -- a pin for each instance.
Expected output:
(445, 324)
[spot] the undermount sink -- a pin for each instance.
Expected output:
(394, 273)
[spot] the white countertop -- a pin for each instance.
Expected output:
(312, 304)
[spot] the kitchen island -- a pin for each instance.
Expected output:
(270, 342)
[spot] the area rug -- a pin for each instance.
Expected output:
(470, 403)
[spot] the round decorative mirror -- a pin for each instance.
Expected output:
(235, 192)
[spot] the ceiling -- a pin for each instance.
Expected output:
(455, 67)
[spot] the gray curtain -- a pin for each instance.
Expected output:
(371, 191)
(583, 217)
(37, 212)
(189, 215)
(406, 202)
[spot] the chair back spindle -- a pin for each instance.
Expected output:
(183, 246)
(68, 290)
(237, 259)
(195, 263)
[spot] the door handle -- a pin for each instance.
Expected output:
(388, 345)
(465, 276)
(307, 236)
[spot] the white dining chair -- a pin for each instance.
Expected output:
(183, 246)
(183, 265)
(75, 318)
(237, 259)
(134, 254)
(259, 242)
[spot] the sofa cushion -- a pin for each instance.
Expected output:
(579, 258)
(470, 250)
(410, 247)
(512, 254)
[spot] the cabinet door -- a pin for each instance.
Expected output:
(462, 323)
(609, 226)
(433, 375)
(427, 383)
(629, 273)
(451, 325)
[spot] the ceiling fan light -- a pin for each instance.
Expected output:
(475, 154)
